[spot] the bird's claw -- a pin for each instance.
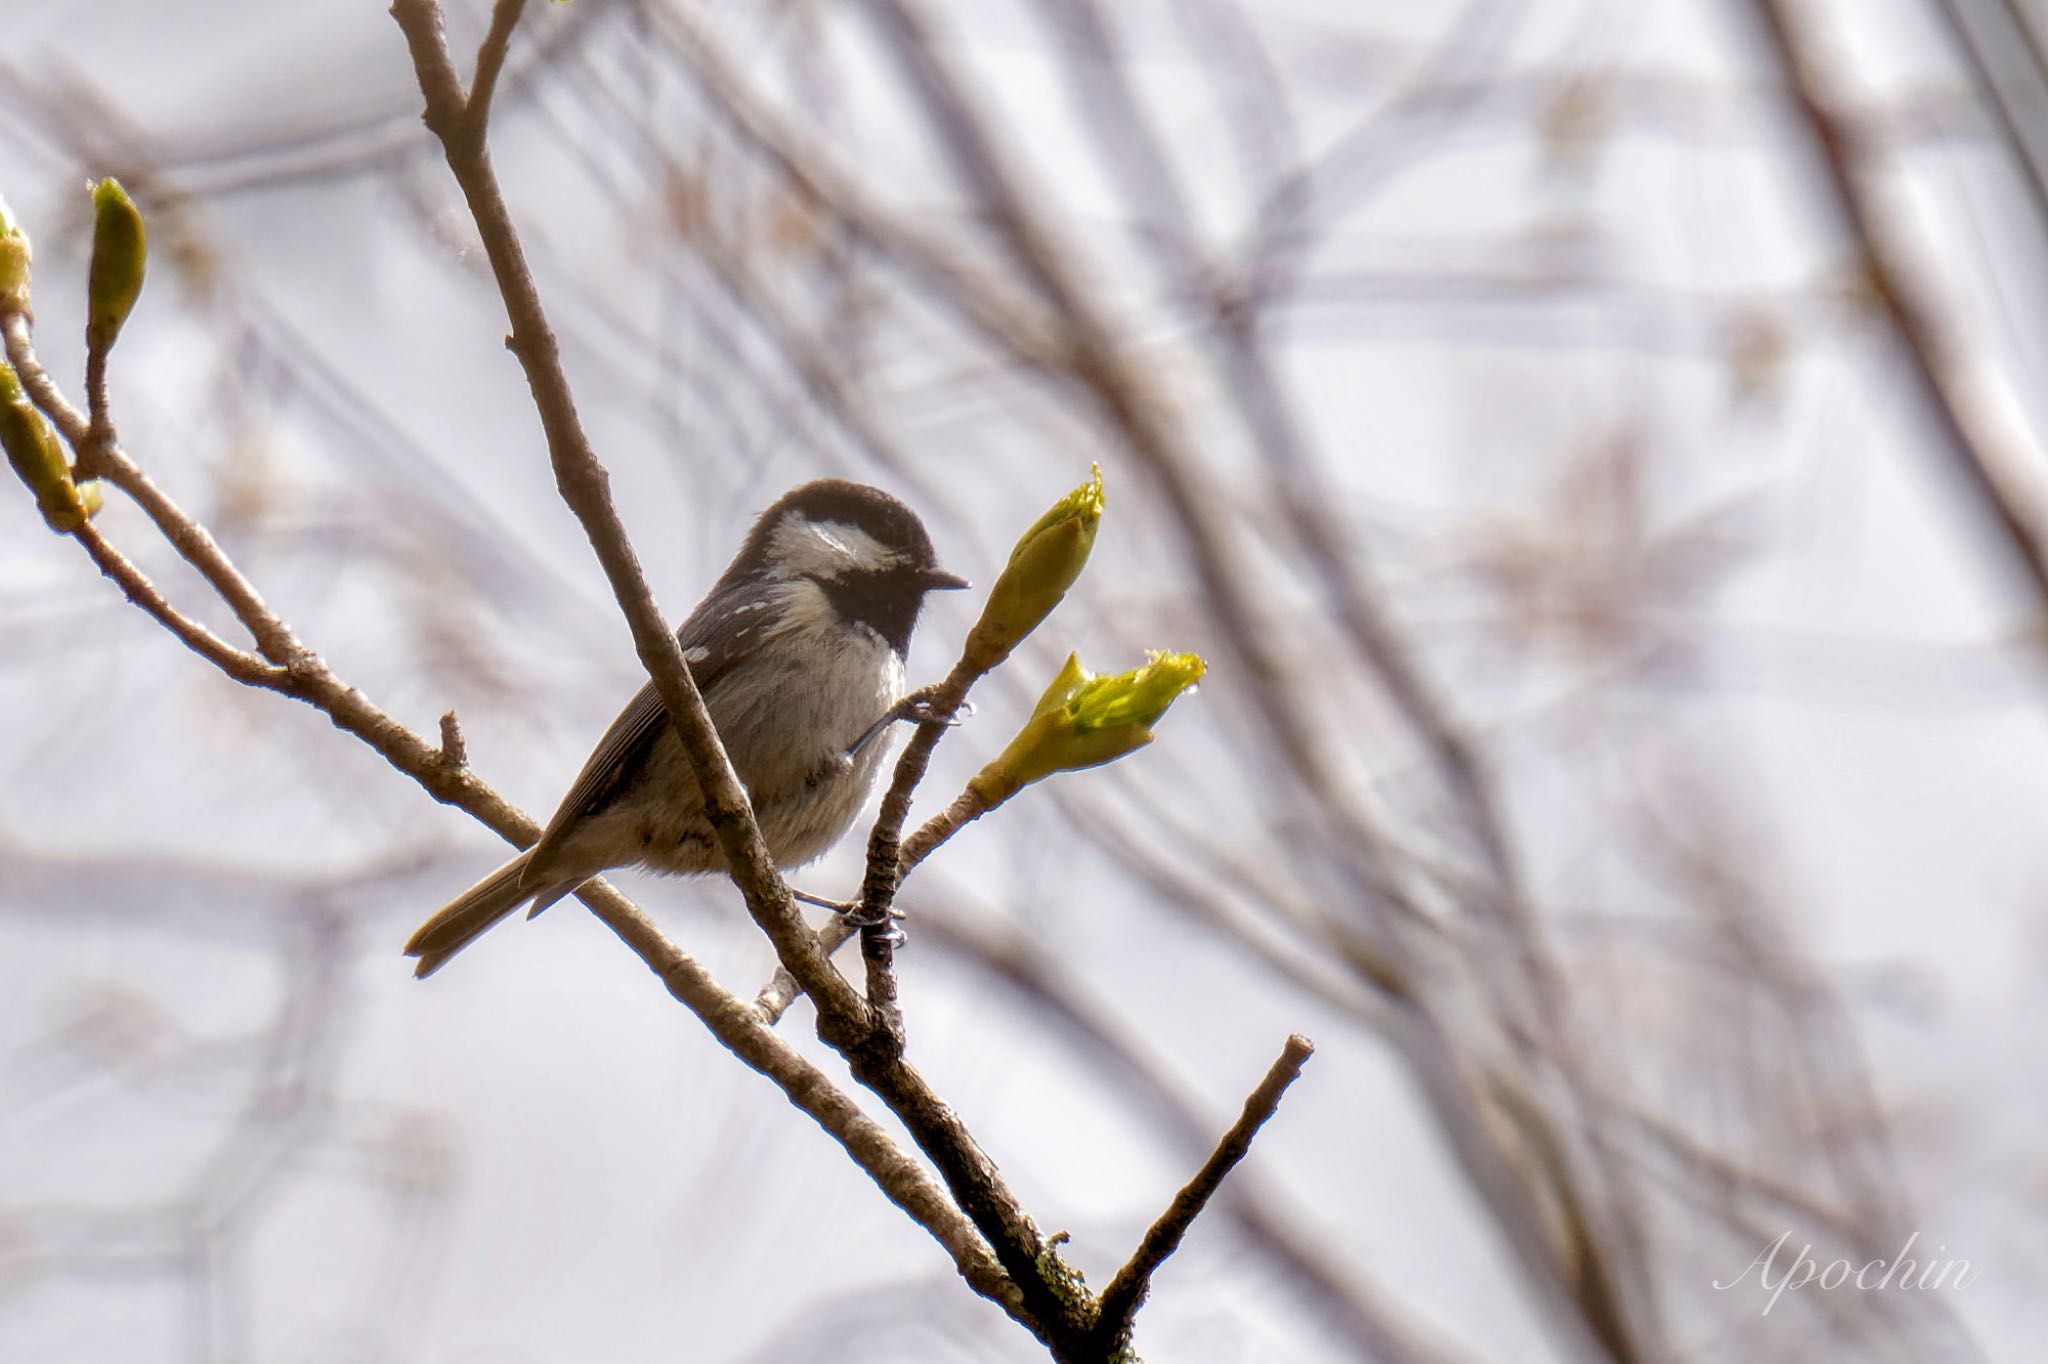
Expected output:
(890, 936)
(916, 708)
(880, 926)
(856, 916)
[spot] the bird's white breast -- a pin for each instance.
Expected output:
(790, 712)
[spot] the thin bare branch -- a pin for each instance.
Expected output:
(490, 61)
(1353, 1307)
(1126, 1292)
(100, 458)
(885, 864)
(135, 585)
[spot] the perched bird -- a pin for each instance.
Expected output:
(798, 650)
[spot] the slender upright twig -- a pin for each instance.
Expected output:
(1126, 1291)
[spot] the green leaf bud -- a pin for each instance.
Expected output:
(38, 458)
(1045, 563)
(15, 256)
(120, 252)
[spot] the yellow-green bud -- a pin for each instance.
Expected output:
(120, 252)
(15, 255)
(38, 458)
(1084, 721)
(1042, 567)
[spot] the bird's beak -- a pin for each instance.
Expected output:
(938, 580)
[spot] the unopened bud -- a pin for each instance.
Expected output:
(15, 255)
(1042, 567)
(120, 252)
(38, 458)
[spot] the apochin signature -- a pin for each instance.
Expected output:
(1870, 1276)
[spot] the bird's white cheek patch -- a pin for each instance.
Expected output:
(804, 609)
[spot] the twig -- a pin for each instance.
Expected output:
(454, 752)
(967, 807)
(774, 998)
(1008, 957)
(98, 412)
(101, 458)
(1126, 1292)
(36, 381)
(243, 667)
(886, 863)
(772, 1001)
(490, 61)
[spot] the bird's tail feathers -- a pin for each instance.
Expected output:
(549, 895)
(469, 915)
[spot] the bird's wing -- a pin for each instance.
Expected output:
(721, 632)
